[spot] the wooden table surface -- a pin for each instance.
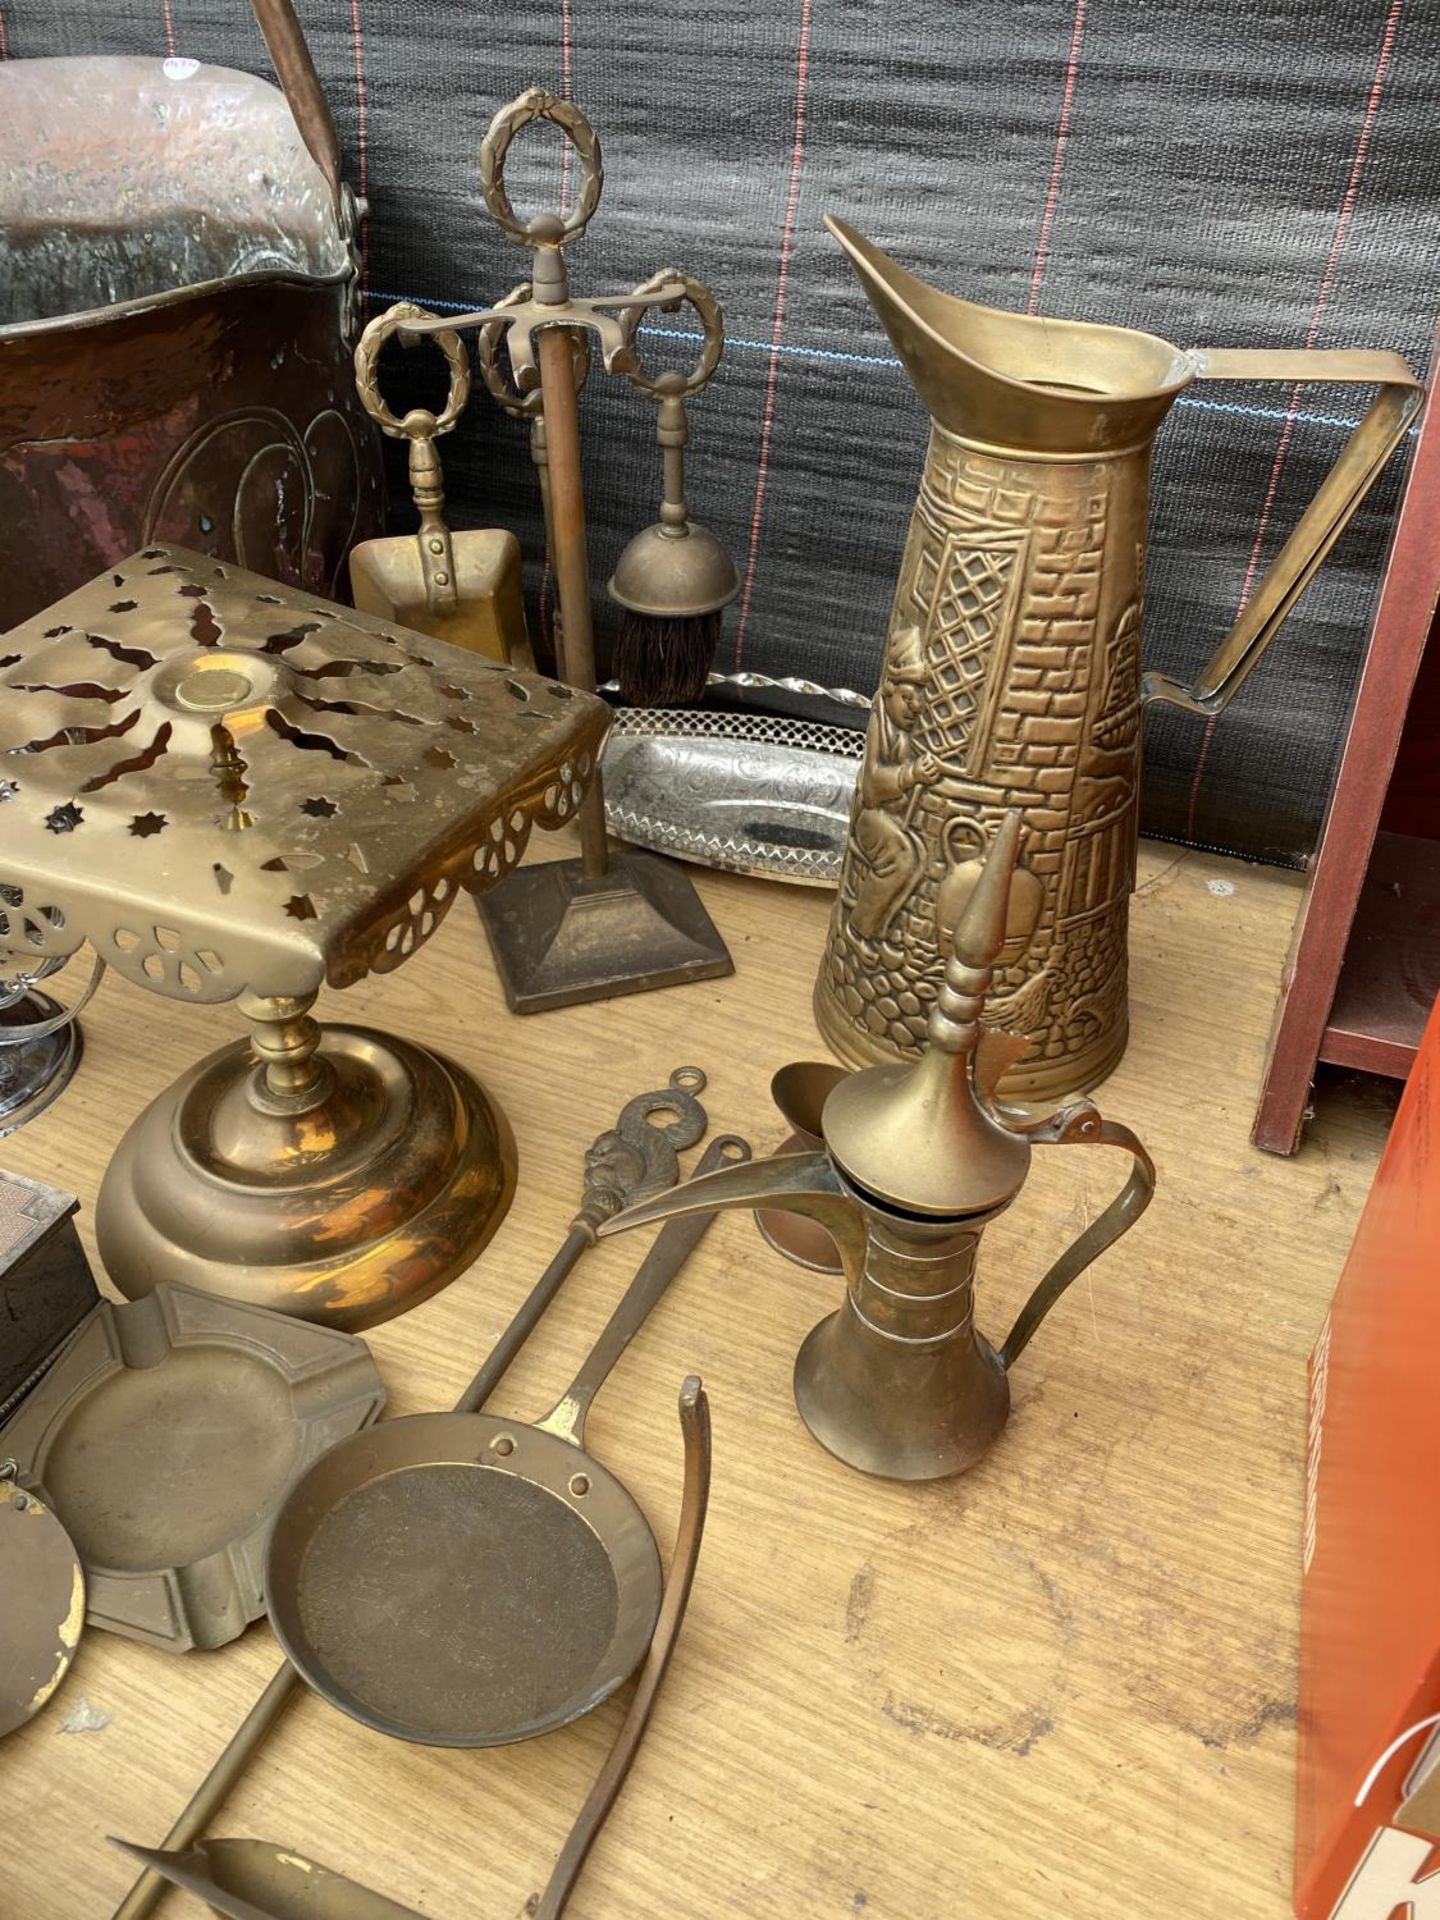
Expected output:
(1063, 1684)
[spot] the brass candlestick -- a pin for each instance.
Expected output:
(610, 922)
(234, 791)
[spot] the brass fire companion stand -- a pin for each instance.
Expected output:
(235, 791)
(611, 922)
(912, 1164)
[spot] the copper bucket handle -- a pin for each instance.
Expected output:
(1360, 463)
(290, 56)
(1082, 1125)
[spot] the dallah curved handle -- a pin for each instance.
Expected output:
(712, 321)
(1082, 1125)
(548, 229)
(1362, 460)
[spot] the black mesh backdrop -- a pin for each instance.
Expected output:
(1233, 174)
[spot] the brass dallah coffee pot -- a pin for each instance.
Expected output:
(1012, 673)
(915, 1162)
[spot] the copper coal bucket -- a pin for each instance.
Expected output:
(177, 313)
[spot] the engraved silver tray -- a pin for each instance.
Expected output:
(746, 792)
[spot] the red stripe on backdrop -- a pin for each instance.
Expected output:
(169, 29)
(567, 48)
(362, 139)
(1329, 276)
(4, 43)
(1057, 164)
(777, 326)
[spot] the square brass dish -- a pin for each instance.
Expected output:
(165, 1437)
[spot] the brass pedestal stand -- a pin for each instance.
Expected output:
(235, 792)
(347, 1174)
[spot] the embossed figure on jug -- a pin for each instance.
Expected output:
(890, 854)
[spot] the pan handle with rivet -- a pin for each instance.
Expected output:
(695, 1426)
(611, 1178)
(673, 1246)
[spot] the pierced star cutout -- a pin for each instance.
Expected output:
(318, 807)
(301, 907)
(64, 819)
(144, 824)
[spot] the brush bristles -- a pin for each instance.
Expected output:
(665, 662)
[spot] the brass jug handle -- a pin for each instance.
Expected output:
(1082, 1125)
(1320, 526)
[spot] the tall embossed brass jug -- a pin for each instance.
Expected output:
(1012, 674)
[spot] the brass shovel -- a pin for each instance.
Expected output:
(462, 587)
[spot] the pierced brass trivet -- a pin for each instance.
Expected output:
(234, 790)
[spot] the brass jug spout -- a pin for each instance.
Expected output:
(1019, 380)
(913, 1164)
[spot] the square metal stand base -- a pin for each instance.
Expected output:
(559, 938)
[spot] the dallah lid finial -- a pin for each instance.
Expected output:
(918, 1138)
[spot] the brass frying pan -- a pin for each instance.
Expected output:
(258, 1880)
(464, 1580)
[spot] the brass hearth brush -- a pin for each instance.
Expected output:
(675, 579)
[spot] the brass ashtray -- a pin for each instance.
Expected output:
(235, 791)
(165, 1438)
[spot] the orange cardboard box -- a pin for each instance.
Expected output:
(1367, 1829)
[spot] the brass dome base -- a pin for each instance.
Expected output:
(903, 1410)
(343, 1209)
